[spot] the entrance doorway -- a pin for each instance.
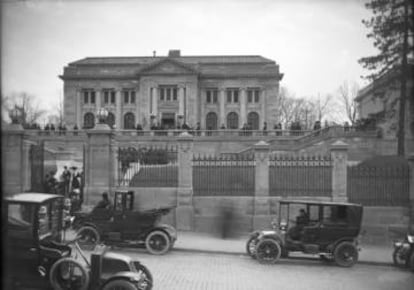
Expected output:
(168, 120)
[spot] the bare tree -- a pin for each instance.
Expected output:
(27, 105)
(346, 98)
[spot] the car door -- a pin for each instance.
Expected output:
(334, 224)
(311, 231)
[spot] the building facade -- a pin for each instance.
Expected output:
(169, 91)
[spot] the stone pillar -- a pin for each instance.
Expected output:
(411, 192)
(262, 100)
(243, 101)
(261, 199)
(26, 166)
(222, 100)
(181, 101)
(339, 157)
(137, 106)
(185, 211)
(155, 102)
(99, 174)
(12, 160)
(118, 112)
(79, 109)
(98, 100)
(202, 104)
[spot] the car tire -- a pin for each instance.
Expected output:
(148, 276)
(157, 242)
(120, 284)
(396, 258)
(268, 251)
(63, 269)
(88, 237)
(251, 246)
(345, 254)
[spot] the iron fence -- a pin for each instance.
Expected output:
(223, 176)
(300, 176)
(378, 186)
(148, 166)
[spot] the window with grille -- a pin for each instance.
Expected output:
(233, 95)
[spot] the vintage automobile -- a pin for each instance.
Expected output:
(327, 229)
(403, 254)
(121, 225)
(37, 258)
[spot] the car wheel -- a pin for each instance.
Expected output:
(88, 237)
(147, 276)
(157, 243)
(345, 254)
(268, 251)
(251, 246)
(412, 261)
(397, 258)
(120, 284)
(67, 273)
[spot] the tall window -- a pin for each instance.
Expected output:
(168, 93)
(232, 121)
(211, 121)
(212, 96)
(88, 96)
(109, 97)
(253, 95)
(129, 121)
(88, 120)
(232, 95)
(253, 120)
(129, 96)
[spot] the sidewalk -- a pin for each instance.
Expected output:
(207, 243)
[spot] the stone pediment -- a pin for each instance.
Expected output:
(167, 66)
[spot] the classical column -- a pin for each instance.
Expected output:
(263, 107)
(118, 112)
(78, 109)
(155, 101)
(222, 100)
(98, 99)
(243, 114)
(181, 101)
(202, 104)
(137, 106)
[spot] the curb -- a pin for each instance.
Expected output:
(372, 263)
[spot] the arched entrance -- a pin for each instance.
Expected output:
(232, 121)
(211, 121)
(88, 120)
(253, 120)
(129, 121)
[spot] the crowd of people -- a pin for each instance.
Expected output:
(68, 184)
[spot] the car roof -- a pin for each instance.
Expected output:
(32, 197)
(318, 202)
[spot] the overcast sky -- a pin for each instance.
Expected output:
(316, 43)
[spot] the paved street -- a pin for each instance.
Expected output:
(186, 270)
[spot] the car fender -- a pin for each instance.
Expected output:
(125, 275)
(332, 246)
(85, 224)
(271, 235)
(254, 234)
(168, 229)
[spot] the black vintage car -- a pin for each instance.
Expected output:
(37, 258)
(327, 229)
(122, 225)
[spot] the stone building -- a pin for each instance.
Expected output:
(172, 90)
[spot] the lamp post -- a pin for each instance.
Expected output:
(102, 115)
(15, 118)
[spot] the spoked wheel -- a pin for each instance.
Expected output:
(327, 258)
(88, 237)
(68, 274)
(268, 251)
(397, 258)
(147, 282)
(120, 284)
(157, 243)
(346, 254)
(251, 246)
